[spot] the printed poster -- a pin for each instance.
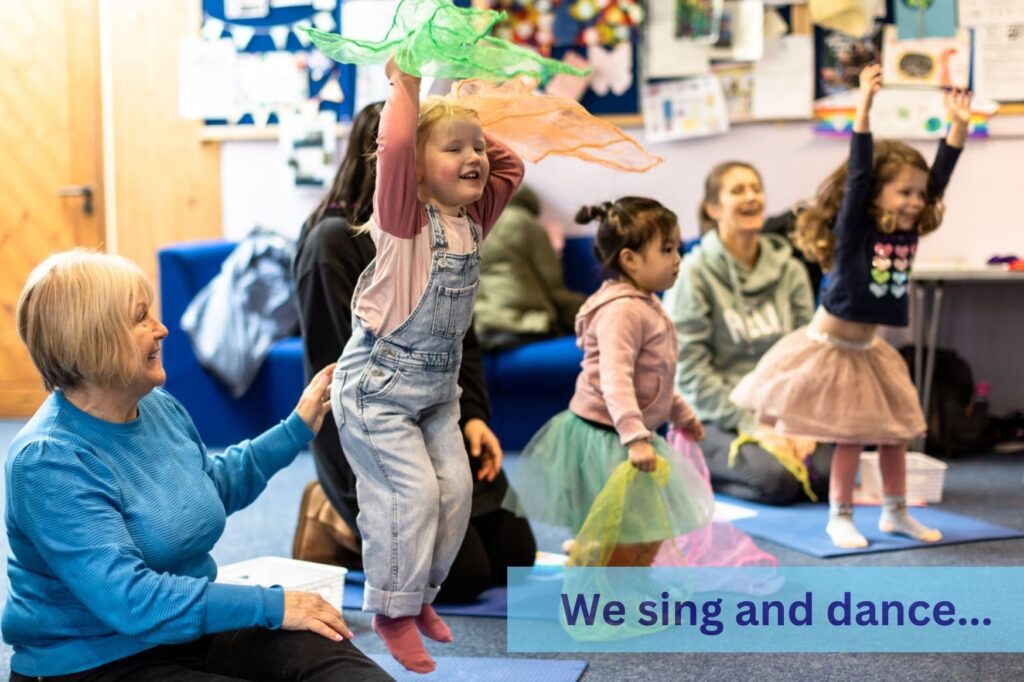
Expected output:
(683, 109)
(931, 62)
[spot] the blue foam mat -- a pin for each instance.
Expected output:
(490, 669)
(802, 527)
(492, 602)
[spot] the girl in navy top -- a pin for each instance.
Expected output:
(836, 380)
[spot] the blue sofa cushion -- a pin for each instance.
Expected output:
(221, 420)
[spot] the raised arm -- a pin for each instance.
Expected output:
(958, 111)
(396, 206)
(857, 192)
(870, 84)
(506, 174)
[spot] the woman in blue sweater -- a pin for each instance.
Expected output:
(113, 506)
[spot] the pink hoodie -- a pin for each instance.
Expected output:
(629, 361)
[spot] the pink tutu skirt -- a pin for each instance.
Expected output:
(815, 385)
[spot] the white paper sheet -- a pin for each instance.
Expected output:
(308, 145)
(908, 114)
(664, 55)
(998, 60)
(246, 9)
(784, 79)
(741, 33)
(207, 78)
(271, 81)
(737, 82)
(988, 12)
(677, 110)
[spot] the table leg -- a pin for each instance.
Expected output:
(920, 293)
(933, 338)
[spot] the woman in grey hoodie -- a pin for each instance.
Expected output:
(738, 293)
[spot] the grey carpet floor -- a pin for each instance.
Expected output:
(989, 487)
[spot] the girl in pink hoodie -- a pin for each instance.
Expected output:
(625, 390)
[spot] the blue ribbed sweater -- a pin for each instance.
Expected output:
(111, 525)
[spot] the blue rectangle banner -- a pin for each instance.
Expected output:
(792, 609)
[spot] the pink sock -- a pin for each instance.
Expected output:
(404, 643)
(432, 626)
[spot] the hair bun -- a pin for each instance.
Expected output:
(590, 213)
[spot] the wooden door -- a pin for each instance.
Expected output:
(50, 134)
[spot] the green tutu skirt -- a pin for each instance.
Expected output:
(566, 465)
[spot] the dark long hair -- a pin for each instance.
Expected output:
(352, 189)
(628, 223)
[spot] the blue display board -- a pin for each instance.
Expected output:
(279, 19)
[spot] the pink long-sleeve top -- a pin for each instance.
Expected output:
(399, 217)
(629, 361)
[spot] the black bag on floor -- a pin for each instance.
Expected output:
(958, 425)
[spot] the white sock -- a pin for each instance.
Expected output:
(841, 529)
(895, 519)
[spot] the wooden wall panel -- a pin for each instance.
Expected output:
(50, 136)
(167, 182)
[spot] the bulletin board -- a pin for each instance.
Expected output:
(555, 28)
(279, 31)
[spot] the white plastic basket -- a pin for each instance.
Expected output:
(925, 478)
(291, 574)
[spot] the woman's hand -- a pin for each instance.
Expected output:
(642, 455)
(481, 442)
(309, 611)
(315, 402)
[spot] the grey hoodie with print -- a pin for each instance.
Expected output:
(727, 316)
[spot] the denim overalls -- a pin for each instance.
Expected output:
(395, 401)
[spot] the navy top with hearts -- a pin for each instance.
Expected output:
(869, 281)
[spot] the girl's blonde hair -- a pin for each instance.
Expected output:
(433, 110)
(713, 191)
(813, 231)
(628, 223)
(75, 316)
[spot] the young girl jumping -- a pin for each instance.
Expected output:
(440, 186)
(836, 380)
(624, 391)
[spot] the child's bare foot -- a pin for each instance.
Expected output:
(404, 643)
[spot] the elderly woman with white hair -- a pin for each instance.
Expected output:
(113, 505)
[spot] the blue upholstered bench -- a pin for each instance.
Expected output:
(527, 385)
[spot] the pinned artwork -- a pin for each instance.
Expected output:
(683, 109)
(917, 19)
(275, 75)
(698, 19)
(934, 62)
(547, 24)
(842, 58)
(612, 69)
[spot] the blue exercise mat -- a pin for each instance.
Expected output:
(492, 602)
(802, 527)
(490, 669)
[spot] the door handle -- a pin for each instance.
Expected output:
(84, 191)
